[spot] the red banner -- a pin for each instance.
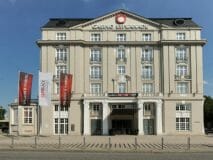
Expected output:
(65, 89)
(25, 87)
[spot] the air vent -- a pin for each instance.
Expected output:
(179, 22)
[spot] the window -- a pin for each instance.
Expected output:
(61, 54)
(147, 72)
(95, 72)
(181, 70)
(146, 55)
(147, 88)
(146, 36)
(96, 107)
(182, 123)
(181, 54)
(95, 37)
(28, 115)
(121, 53)
(182, 87)
(121, 87)
(61, 36)
(121, 37)
(57, 88)
(62, 108)
(121, 70)
(61, 125)
(95, 55)
(61, 69)
(181, 36)
(95, 88)
(183, 107)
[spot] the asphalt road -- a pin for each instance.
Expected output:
(36, 155)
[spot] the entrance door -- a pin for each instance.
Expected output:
(96, 126)
(148, 126)
(121, 126)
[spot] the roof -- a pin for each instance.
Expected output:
(70, 22)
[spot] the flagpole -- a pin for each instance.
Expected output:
(18, 96)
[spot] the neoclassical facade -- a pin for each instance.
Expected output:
(131, 75)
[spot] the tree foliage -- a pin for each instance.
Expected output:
(2, 112)
(208, 112)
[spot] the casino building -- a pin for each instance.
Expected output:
(131, 75)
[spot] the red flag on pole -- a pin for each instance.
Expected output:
(65, 89)
(25, 87)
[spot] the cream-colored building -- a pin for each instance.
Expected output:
(131, 75)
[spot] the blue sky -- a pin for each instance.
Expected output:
(20, 22)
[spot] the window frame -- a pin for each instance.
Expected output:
(28, 115)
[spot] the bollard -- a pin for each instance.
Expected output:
(59, 142)
(109, 142)
(136, 143)
(35, 141)
(188, 143)
(162, 143)
(12, 141)
(84, 141)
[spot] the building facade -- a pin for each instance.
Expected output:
(131, 75)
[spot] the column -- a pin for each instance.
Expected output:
(159, 117)
(140, 117)
(87, 130)
(105, 116)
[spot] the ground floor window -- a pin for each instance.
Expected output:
(28, 116)
(61, 126)
(183, 124)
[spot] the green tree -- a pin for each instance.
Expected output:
(2, 112)
(208, 112)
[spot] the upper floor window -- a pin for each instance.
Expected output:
(62, 108)
(61, 54)
(183, 107)
(28, 116)
(95, 37)
(61, 36)
(182, 87)
(95, 55)
(146, 54)
(147, 88)
(147, 72)
(122, 87)
(95, 88)
(121, 69)
(121, 53)
(181, 54)
(181, 36)
(61, 69)
(181, 70)
(95, 72)
(146, 36)
(121, 37)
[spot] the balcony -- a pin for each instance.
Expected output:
(60, 60)
(95, 77)
(146, 60)
(121, 60)
(147, 77)
(182, 77)
(181, 60)
(95, 60)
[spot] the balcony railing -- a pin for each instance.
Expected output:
(182, 77)
(146, 60)
(180, 60)
(60, 60)
(119, 60)
(95, 60)
(95, 77)
(147, 77)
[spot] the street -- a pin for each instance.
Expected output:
(35, 155)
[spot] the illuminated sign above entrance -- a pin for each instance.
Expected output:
(122, 94)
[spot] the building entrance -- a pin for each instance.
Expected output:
(123, 119)
(148, 126)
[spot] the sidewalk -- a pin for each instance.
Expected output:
(110, 143)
